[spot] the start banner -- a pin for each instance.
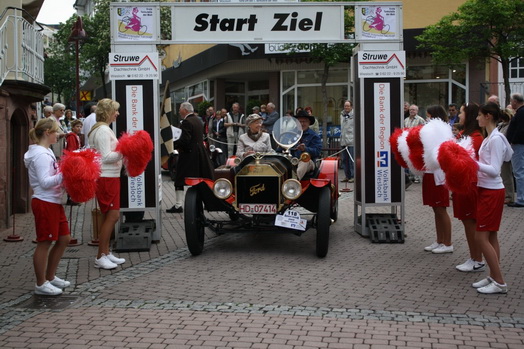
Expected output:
(257, 23)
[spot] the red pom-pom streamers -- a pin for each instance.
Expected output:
(137, 151)
(393, 140)
(416, 148)
(80, 171)
(460, 169)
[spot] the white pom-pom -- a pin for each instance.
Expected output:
(404, 151)
(467, 143)
(432, 135)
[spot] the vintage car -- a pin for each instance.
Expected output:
(262, 193)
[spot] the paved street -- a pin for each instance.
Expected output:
(266, 290)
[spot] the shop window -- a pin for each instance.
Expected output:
(288, 80)
(234, 87)
(258, 85)
(426, 94)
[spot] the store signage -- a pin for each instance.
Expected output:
(257, 23)
(373, 64)
(134, 66)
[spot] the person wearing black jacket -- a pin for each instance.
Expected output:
(515, 136)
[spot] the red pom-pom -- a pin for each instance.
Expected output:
(460, 169)
(137, 151)
(416, 149)
(393, 140)
(80, 170)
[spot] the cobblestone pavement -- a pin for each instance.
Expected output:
(266, 290)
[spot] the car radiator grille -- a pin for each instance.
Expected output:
(258, 190)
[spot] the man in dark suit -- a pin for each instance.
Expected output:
(193, 160)
(515, 136)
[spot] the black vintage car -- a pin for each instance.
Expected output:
(262, 193)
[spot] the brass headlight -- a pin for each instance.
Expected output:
(305, 157)
(291, 189)
(222, 188)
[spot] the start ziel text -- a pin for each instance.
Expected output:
(284, 22)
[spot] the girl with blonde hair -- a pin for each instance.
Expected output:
(50, 219)
(103, 140)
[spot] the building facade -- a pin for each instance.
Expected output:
(21, 89)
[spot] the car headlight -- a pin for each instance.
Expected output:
(222, 188)
(291, 189)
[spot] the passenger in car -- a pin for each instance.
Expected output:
(254, 140)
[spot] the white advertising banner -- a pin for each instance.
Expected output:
(135, 122)
(134, 66)
(382, 118)
(135, 23)
(257, 23)
(375, 64)
(378, 22)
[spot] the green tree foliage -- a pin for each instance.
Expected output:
(60, 64)
(480, 29)
(96, 49)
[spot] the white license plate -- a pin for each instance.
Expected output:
(257, 208)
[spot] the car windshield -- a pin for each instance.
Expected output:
(287, 132)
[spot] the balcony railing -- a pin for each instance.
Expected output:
(21, 48)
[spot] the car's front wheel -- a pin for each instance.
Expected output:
(194, 221)
(323, 221)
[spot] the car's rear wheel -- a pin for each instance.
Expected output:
(194, 221)
(323, 221)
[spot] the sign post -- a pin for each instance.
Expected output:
(380, 67)
(134, 71)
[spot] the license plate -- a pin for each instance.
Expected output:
(257, 208)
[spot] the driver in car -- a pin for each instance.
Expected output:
(310, 142)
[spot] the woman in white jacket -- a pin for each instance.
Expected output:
(103, 140)
(495, 149)
(46, 203)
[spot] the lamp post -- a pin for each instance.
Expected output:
(77, 34)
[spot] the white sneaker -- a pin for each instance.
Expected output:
(431, 247)
(493, 287)
(46, 289)
(466, 266)
(482, 283)
(57, 282)
(115, 259)
(104, 263)
(443, 249)
(479, 266)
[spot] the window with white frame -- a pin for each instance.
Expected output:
(516, 68)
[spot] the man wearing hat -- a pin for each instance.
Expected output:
(310, 143)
